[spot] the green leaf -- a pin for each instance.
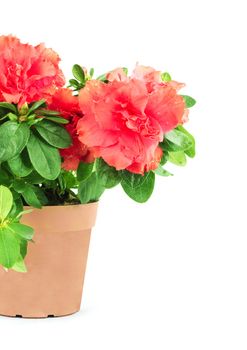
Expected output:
(78, 73)
(34, 178)
(189, 101)
(177, 158)
(6, 202)
(21, 165)
(125, 70)
(166, 77)
(17, 209)
(74, 83)
(20, 266)
(12, 117)
(9, 247)
(191, 151)
(162, 172)
(44, 158)
(9, 106)
(91, 72)
(67, 180)
(164, 157)
(24, 231)
(180, 139)
(5, 179)
(90, 189)
(23, 247)
(19, 185)
(47, 113)
(54, 134)
(133, 180)
(31, 197)
(102, 78)
(84, 171)
(13, 139)
(58, 120)
(36, 105)
(138, 187)
(109, 176)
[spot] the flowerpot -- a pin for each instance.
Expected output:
(56, 264)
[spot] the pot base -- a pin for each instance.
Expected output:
(38, 317)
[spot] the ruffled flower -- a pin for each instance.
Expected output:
(67, 105)
(28, 73)
(124, 122)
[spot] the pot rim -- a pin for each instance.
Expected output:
(63, 206)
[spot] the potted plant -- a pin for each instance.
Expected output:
(60, 149)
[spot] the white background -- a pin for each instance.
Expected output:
(170, 274)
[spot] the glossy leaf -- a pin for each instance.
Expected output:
(13, 139)
(44, 158)
(189, 101)
(6, 202)
(166, 77)
(177, 158)
(78, 73)
(54, 134)
(108, 175)
(36, 105)
(9, 247)
(20, 266)
(139, 189)
(90, 189)
(21, 165)
(191, 151)
(84, 171)
(180, 139)
(24, 231)
(162, 172)
(8, 106)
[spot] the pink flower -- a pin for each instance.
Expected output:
(64, 102)
(124, 122)
(28, 73)
(117, 74)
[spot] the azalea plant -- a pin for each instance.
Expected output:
(65, 144)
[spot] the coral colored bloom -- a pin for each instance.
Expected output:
(149, 75)
(64, 102)
(117, 74)
(123, 122)
(28, 73)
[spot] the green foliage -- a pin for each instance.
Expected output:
(177, 158)
(176, 145)
(138, 187)
(8, 107)
(6, 202)
(189, 101)
(58, 120)
(84, 171)
(190, 151)
(78, 73)
(13, 235)
(44, 157)
(162, 172)
(54, 134)
(109, 176)
(21, 165)
(13, 139)
(166, 77)
(35, 106)
(90, 189)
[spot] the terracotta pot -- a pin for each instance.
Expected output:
(56, 264)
